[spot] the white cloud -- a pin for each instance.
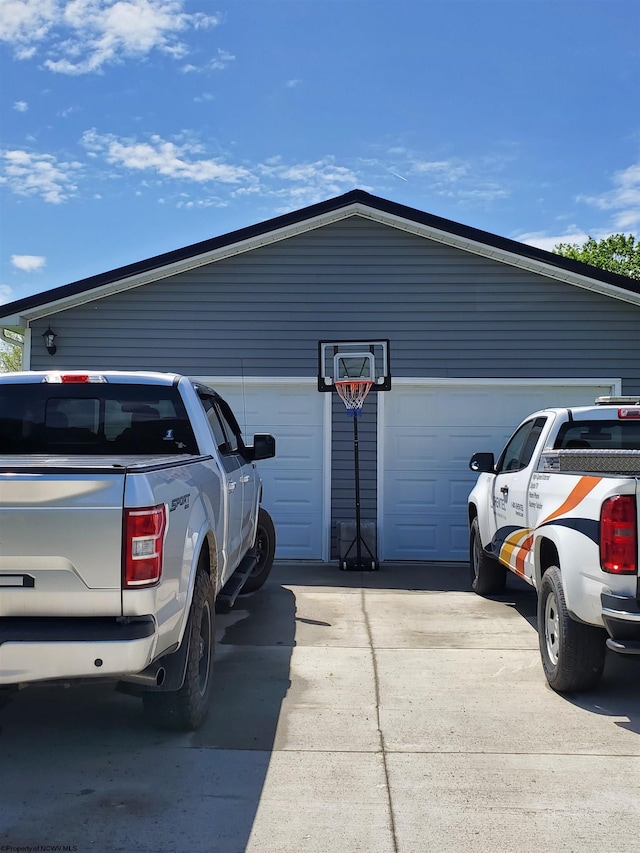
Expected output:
(41, 175)
(219, 62)
(323, 172)
(190, 204)
(197, 176)
(622, 203)
(83, 36)
(542, 240)
(623, 200)
(469, 181)
(165, 158)
(25, 22)
(21, 106)
(487, 193)
(28, 263)
(304, 183)
(6, 294)
(448, 170)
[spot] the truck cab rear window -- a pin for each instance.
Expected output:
(94, 419)
(599, 435)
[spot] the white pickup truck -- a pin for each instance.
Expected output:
(129, 512)
(560, 509)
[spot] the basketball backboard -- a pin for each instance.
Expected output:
(339, 360)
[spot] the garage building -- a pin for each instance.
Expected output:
(483, 330)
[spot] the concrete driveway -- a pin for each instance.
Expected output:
(382, 712)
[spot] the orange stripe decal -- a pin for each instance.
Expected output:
(513, 547)
(522, 554)
(577, 494)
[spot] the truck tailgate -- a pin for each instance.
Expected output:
(61, 542)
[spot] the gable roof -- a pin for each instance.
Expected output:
(353, 203)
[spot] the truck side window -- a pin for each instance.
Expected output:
(214, 422)
(232, 439)
(519, 450)
(225, 439)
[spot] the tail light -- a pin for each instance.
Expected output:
(619, 535)
(143, 541)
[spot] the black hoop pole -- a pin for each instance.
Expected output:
(358, 540)
(356, 464)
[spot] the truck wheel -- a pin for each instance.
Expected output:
(488, 576)
(572, 653)
(186, 709)
(266, 549)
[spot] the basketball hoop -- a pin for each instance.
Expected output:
(352, 393)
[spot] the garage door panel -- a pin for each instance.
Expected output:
(294, 489)
(429, 435)
(452, 405)
(295, 448)
(294, 480)
(458, 540)
(425, 494)
(444, 448)
(298, 536)
(413, 493)
(428, 539)
(416, 539)
(282, 405)
(459, 488)
(404, 446)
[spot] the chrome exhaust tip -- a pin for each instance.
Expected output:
(152, 676)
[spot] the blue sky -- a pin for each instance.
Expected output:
(134, 127)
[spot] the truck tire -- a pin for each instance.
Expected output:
(186, 709)
(488, 576)
(572, 653)
(266, 550)
(6, 695)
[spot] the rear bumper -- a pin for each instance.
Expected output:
(33, 649)
(621, 616)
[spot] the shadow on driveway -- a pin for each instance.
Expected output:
(79, 765)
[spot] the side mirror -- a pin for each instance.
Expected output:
(482, 463)
(264, 446)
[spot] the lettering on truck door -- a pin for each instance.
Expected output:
(513, 537)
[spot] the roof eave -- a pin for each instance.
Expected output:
(353, 203)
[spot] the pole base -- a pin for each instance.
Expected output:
(364, 564)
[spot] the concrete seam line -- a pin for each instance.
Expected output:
(378, 724)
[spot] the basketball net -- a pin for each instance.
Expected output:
(352, 393)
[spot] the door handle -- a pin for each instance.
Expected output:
(245, 479)
(505, 490)
(231, 486)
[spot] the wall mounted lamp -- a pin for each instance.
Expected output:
(49, 338)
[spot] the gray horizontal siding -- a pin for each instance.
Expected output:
(447, 313)
(343, 505)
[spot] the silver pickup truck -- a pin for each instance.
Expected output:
(129, 512)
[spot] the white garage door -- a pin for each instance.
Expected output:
(294, 480)
(429, 431)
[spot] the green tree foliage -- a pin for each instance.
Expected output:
(10, 359)
(617, 253)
